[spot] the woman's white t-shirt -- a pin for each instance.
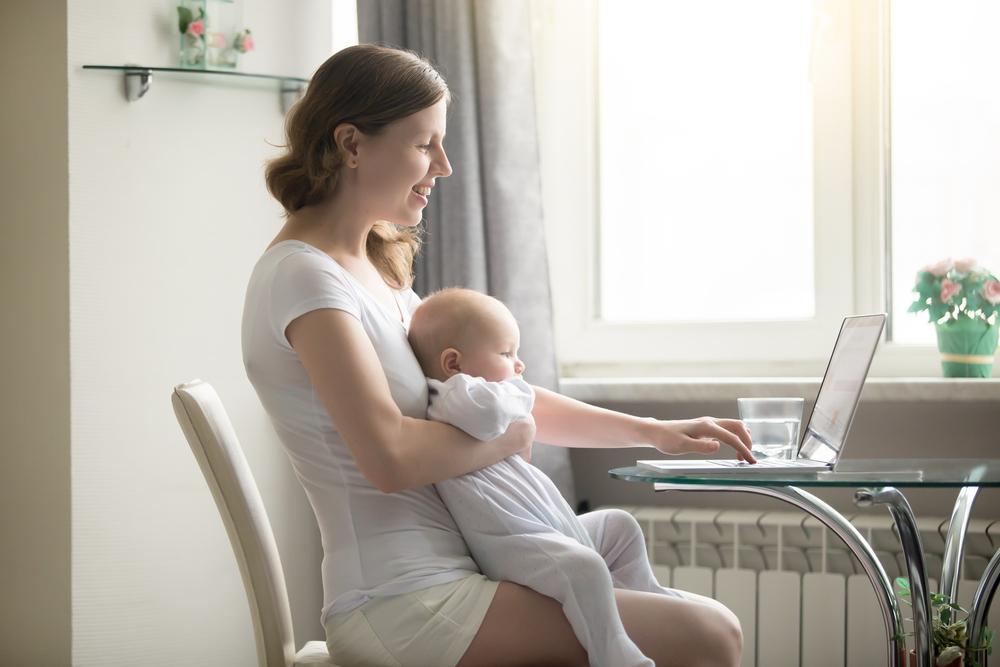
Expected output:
(374, 543)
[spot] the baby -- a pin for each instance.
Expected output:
(516, 523)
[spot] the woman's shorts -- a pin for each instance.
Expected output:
(432, 627)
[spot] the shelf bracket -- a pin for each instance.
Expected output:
(291, 92)
(137, 82)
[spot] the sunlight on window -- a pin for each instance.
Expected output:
(706, 160)
(945, 144)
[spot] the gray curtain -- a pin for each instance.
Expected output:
(484, 222)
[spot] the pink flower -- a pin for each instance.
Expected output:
(940, 268)
(991, 291)
(948, 290)
(196, 28)
(248, 43)
(964, 265)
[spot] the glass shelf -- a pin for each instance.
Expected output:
(138, 79)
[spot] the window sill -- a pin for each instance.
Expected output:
(600, 390)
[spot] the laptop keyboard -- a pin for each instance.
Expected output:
(765, 463)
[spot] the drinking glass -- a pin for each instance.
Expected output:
(774, 425)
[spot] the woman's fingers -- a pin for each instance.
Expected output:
(700, 446)
(716, 429)
(737, 427)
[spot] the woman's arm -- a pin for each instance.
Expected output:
(393, 451)
(567, 422)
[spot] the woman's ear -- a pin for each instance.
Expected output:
(451, 360)
(347, 137)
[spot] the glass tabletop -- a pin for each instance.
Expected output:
(929, 473)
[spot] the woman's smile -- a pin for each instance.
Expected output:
(423, 199)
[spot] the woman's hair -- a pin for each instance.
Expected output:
(368, 86)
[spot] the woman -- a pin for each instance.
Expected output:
(324, 340)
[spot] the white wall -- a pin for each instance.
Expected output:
(168, 212)
(34, 357)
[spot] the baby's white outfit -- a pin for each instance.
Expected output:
(519, 528)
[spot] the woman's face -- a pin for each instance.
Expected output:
(398, 167)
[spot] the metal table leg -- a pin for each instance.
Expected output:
(981, 601)
(954, 547)
(846, 531)
(913, 553)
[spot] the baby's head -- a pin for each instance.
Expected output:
(460, 330)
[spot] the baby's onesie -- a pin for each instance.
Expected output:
(519, 528)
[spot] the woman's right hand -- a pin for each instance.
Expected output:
(701, 436)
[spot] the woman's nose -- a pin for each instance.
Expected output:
(442, 164)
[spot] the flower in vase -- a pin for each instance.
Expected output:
(940, 268)
(991, 291)
(218, 40)
(185, 19)
(963, 266)
(950, 289)
(243, 41)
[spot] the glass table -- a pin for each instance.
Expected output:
(878, 481)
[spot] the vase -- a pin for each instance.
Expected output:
(212, 46)
(967, 347)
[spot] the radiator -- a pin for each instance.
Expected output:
(801, 596)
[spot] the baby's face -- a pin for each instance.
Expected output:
(493, 356)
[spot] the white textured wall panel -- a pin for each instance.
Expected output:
(168, 213)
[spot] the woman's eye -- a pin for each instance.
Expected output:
(425, 147)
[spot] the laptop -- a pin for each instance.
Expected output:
(825, 435)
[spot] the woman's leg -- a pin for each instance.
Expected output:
(525, 628)
(679, 631)
(521, 628)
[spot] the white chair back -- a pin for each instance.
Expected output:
(210, 433)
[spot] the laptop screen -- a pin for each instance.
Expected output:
(841, 388)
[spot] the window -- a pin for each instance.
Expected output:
(716, 186)
(705, 126)
(945, 144)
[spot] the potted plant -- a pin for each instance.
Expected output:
(962, 299)
(948, 630)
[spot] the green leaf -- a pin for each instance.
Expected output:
(927, 290)
(184, 18)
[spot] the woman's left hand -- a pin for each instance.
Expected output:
(701, 436)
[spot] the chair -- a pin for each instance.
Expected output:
(213, 441)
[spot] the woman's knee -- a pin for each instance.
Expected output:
(679, 631)
(723, 635)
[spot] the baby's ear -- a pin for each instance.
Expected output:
(451, 361)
